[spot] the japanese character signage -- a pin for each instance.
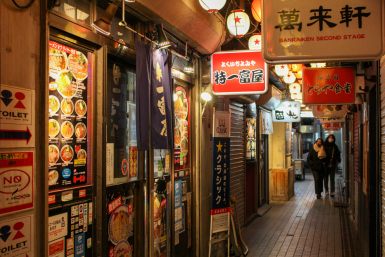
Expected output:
(16, 181)
(288, 111)
(239, 73)
(220, 201)
(315, 31)
(328, 86)
(331, 126)
(330, 111)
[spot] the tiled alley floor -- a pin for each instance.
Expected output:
(303, 226)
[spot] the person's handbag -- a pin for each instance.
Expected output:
(331, 160)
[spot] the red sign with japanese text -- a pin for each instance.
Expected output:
(239, 73)
(331, 126)
(328, 86)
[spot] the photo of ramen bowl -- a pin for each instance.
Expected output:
(80, 130)
(181, 106)
(53, 104)
(53, 154)
(53, 176)
(118, 225)
(67, 129)
(67, 153)
(78, 64)
(64, 84)
(67, 106)
(80, 107)
(82, 154)
(123, 249)
(177, 134)
(57, 62)
(53, 128)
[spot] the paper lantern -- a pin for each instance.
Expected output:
(295, 88)
(296, 67)
(212, 6)
(256, 10)
(298, 75)
(255, 42)
(238, 23)
(281, 70)
(289, 78)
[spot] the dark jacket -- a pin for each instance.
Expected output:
(314, 162)
(329, 151)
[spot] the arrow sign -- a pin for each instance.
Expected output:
(15, 134)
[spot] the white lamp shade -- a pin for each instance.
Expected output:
(212, 6)
(238, 23)
(295, 88)
(289, 78)
(281, 70)
(255, 42)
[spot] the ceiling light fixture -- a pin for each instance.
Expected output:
(163, 41)
(103, 24)
(207, 96)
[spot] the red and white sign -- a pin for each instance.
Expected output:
(16, 181)
(56, 248)
(17, 117)
(57, 226)
(16, 237)
(239, 73)
(316, 31)
(82, 193)
(330, 111)
(62, 48)
(328, 86)
(331, 126)
(115, 204)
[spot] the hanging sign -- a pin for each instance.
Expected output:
(288, 111)
(16, 181)
(239, 73)
(331, 126)
(327, 31)
(330, 111)
(328, 86)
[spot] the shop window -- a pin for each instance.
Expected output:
(79, 10)
(122, 154)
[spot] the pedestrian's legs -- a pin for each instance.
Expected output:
(316, 182)
(326, 182)
(321, 175)
(332, 173)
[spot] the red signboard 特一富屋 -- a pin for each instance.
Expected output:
(328, 86)
(239, 73)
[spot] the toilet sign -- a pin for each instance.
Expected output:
(17, 117)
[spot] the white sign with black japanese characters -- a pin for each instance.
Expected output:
(314, 30)
(287, 111)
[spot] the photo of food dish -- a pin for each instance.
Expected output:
(53, 154)
(82, 154)
(67, 129)
(53, 104)
(181, 105)
(80, 130)
(64, 84)
(78, 64)
(184, 129)
(53, 176)
(67, 106)
(250, 131)
(123, 249)
(177, 134)
(184, 144)
(67, 153)
(80, 107)
(53, 128)
(57, 62)
(119, 225)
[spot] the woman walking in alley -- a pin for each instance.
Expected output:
(334, 157)
(316, 159)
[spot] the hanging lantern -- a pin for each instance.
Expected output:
(281, 70)
(296, 67)
(256, 10)
(238, 23)
(212, 6)
(295, 88)
(298, 75)
(255, 42)
(289, 78)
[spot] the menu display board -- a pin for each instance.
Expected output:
(160, 224)
(70, 77)
(251, 138)
(120, 220)
(70, 230)
(182, 128)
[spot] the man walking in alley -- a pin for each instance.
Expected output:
(334, 157)
(316, 159)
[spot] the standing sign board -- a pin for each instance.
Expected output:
(330, 111)
(328, 86)
(239, 73)
(306, 30)
(17, 117)
(220, 199)
(288, 111)
(16, 181)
